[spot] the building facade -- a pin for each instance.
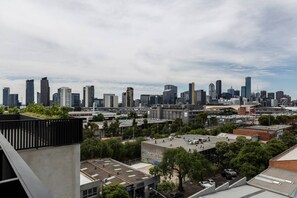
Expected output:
(44, 92)
(248, 87)
(219, 88)
(6, 92)
(29, 92)
(170, 94)
(88, 96)
(65, 96)
(75, 97)
(130, 97)
(110, 101)
(192, 98)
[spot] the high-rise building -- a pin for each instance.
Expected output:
(29, 92)
(88, 96)
(65, 96)
(212, 91)
(156, 99)
(248, 87)
(6, 92)
(231, 91)
(201, 97)
(44, 92)
(169, 94)
(270, 95)
(56, 99)
(192, 98)
(13, 100)
(129, 97)
(99, 102)
(110, 101)
(263, 94)
(243, 91)
(279, 95)
(75, 98)
(184, 97)
(219, 88)
(38, 98)
(236, 93)
(124, 95)
(145, 100)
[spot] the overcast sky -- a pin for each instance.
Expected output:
(113, 44)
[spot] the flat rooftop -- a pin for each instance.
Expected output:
(244, 191)
(269, 128)
(292, 155)
(84, 179)
(184, 141)
(233, 136)
(112, 172)
(277, 180)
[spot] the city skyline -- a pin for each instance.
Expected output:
(145, 45)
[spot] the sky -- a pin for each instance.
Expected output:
(114, 44)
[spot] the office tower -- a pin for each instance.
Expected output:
(243, 91)
(64, 96)
(248, 88)
(110, 100)
(88, 96)
(156, 100)
(13, 100)
(56, 99)
(75, 100)
(185, 97)
(99, 102)
(192, 99)
(137, 102)
(231, 91)
(29, 92)
(129, 97)
(263, 94)
(124, 99)
(144, 100)
(212, 91)
(236, 93)
(44, 92)
(6, 92)
(169, 94)
(219, 88)
(201, 97)
(38, 97)
(270, 95)
(279, 95)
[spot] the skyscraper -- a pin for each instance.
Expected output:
(169, 94)
(243, 91)
(248, 87)
(64, 96)
(279, 95)
(29, 92)
(145, 100)
(219, 88)
(88, 96)
(110, 100)
(75, 97)
(124, 95)
(231, 91)
(44, 92)
(270, 95)
(192, 98)
(201, 97)
(56, 99)
(263, 94)
(212, 91)
(129, 97)
(6, 92)
(13, 100)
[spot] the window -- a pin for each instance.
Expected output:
(90, 192)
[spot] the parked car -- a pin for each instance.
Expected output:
(177, 194)
(229, 173)
(207, 183)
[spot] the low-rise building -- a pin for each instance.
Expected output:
(108, 171)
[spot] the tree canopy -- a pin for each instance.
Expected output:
(115, 191)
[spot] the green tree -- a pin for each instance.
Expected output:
(117, 148)
(266, 120)
(275, 147)
(1, 110)
(289, 139)
(132, 115)
(98, 118)
(176, 160)
(94, 148)
(14, 110)
(115, 191)
(166, 187)
(200, 166)
(176, 125)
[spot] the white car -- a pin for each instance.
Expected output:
(207, 183)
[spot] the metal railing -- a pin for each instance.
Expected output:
(35, 133)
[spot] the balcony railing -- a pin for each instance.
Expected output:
(25, 133)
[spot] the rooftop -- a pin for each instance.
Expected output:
(277, 180)
(244, 191)
(233, 136)
(292, 155)
(269, 128)
(209, 142)
(112, 172)
(84, 179)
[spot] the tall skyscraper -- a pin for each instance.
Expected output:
(129, 97)
(38, 98)
(124, 95)
(231, 91)
(219, 88)
(75, 97)
(263, 94)
(13, 100)
(270, 95)
(29, 92)
(248, 87)
(170, 94)
(212, 91)
(279, 95)
(88, 96)
(6, 92)
(201, 97)
(110, 100)
(65, 96)
(56, 99)
(44, 92)
(192, 98)
(243, 91)
(145, 100)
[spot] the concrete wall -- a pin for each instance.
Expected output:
(151, 153)
(263, 135)
(57, 167)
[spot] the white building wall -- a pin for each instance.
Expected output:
(57, 167)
